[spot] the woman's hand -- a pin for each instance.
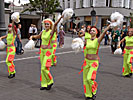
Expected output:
(0, 39)
(31, 37)
(62, 16)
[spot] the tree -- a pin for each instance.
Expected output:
(46, 6)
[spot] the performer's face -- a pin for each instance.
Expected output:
(130, 32)
(47, 26)
(93, 32)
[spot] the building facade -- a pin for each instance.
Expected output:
(103, 8)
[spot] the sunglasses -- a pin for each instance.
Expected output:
(47, 24)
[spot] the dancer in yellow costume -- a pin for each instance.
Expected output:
(87, 34)
(91, 62)
(128, 54)
(46, 52)
(10, 37)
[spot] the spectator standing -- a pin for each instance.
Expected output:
(31, 30)
(106, 38)
(18, 40)
(61, 34)
(81, 33)
(34, 30)
(123, 34)
(115, 34)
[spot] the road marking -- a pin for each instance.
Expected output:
(38, 56)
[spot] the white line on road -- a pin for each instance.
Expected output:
(38, 56)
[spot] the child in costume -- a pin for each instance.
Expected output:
(46, 52)
(10, 37)
(128, 54)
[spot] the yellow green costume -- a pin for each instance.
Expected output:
(128, 57)
(90, 69)
(54, 46)
(45, 59)
(10, 53)
(87, 36)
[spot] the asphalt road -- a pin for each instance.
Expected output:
(67, 81)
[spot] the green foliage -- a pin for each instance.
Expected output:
(47, 6)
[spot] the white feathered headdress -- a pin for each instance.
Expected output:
(15, 17)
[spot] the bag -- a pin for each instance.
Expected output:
(118, 51)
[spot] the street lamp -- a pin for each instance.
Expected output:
(2, 18)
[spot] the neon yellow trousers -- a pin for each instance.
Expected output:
(54, 58)
(9, 59)
(45, 59)
(89, 76)
(127, 62)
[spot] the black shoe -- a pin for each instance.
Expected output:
(11, 76)
(49, 87)
(42, 88)
(89, 98)
(93, 97)
(130, 74)
(127, 76)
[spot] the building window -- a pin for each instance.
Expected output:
(68, 4)
(74, 5)
(91, 3)
(109, 3)
(81, 3)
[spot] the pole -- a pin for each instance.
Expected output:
(2, 19)
(13, 5)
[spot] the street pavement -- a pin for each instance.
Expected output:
(67, 81)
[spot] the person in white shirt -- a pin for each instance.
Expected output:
(31, 30)
(34, 30)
